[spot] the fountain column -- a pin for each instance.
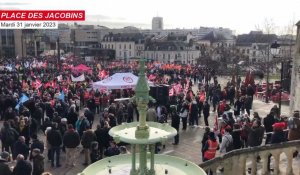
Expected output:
(133, 165)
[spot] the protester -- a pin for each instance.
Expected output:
(87, 138)
(71, 140)
(4, 167)
(175, 122)
(112, 150)
(55, 140)
(210, 147)
(23, 167)
(38, 162)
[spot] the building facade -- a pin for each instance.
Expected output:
(126, 45)
(172, 52)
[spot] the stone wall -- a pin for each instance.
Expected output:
(295, 81)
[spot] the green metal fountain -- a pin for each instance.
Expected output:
(142, 136)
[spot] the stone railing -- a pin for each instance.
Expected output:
(234, 162)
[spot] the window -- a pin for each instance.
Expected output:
(169, 56)
(120, 47)
(254, 53)
(163, 56)
(108, 46)
(112, 46)
(248, 51)
(124, 46)
(254, 47)
(120, 53)
(156, 55)
(130, 53)
(129, 46)
(243, 51)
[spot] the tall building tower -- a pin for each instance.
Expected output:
(157, 23)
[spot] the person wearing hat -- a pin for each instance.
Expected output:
(38, 162)
(210, 147)
(278, 136)
(4, 168)
(294, 132)
(175, 122)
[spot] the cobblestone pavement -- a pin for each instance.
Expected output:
(189, 145)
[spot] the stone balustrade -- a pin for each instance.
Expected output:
(234, 162)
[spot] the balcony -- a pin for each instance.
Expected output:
(236, 162)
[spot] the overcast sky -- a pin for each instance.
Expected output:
(241, 16)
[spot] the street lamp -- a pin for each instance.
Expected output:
(274, 49)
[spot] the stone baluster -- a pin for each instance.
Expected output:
(241, 164)
(289, 155)
(276, 155)
(227, 165)
(253, 164)
(264, 156)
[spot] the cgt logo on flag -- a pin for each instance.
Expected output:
(128, 79)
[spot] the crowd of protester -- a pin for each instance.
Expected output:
(68, 121)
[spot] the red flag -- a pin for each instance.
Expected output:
(38, 83)
(102, 74)
(216, 124)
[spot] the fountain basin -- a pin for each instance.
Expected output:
(121, 165)
(157, 133)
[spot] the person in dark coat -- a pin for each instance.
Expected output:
(71, 140)
(38, 162)
(94, 152)
(248, 104)
(23, 167)
(175, 122)
(72, 115)
(4, 167)
(112, 150)
(268, 124)
(194, 113)
(8, 137)
(278, 136)
(206, 108)
(236, 136)
(255, 134)
(54, 138)
(36, 144)
(237, 107)
(89, 115)
(103, 137)
(9, 114)
(20, 147)
(87, 138)
(38, 114)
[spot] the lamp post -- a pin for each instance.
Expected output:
(274, 49)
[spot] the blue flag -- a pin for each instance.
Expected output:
(23, 99)
(62, 96)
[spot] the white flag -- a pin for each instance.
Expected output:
(80, 78)
(59, 78)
